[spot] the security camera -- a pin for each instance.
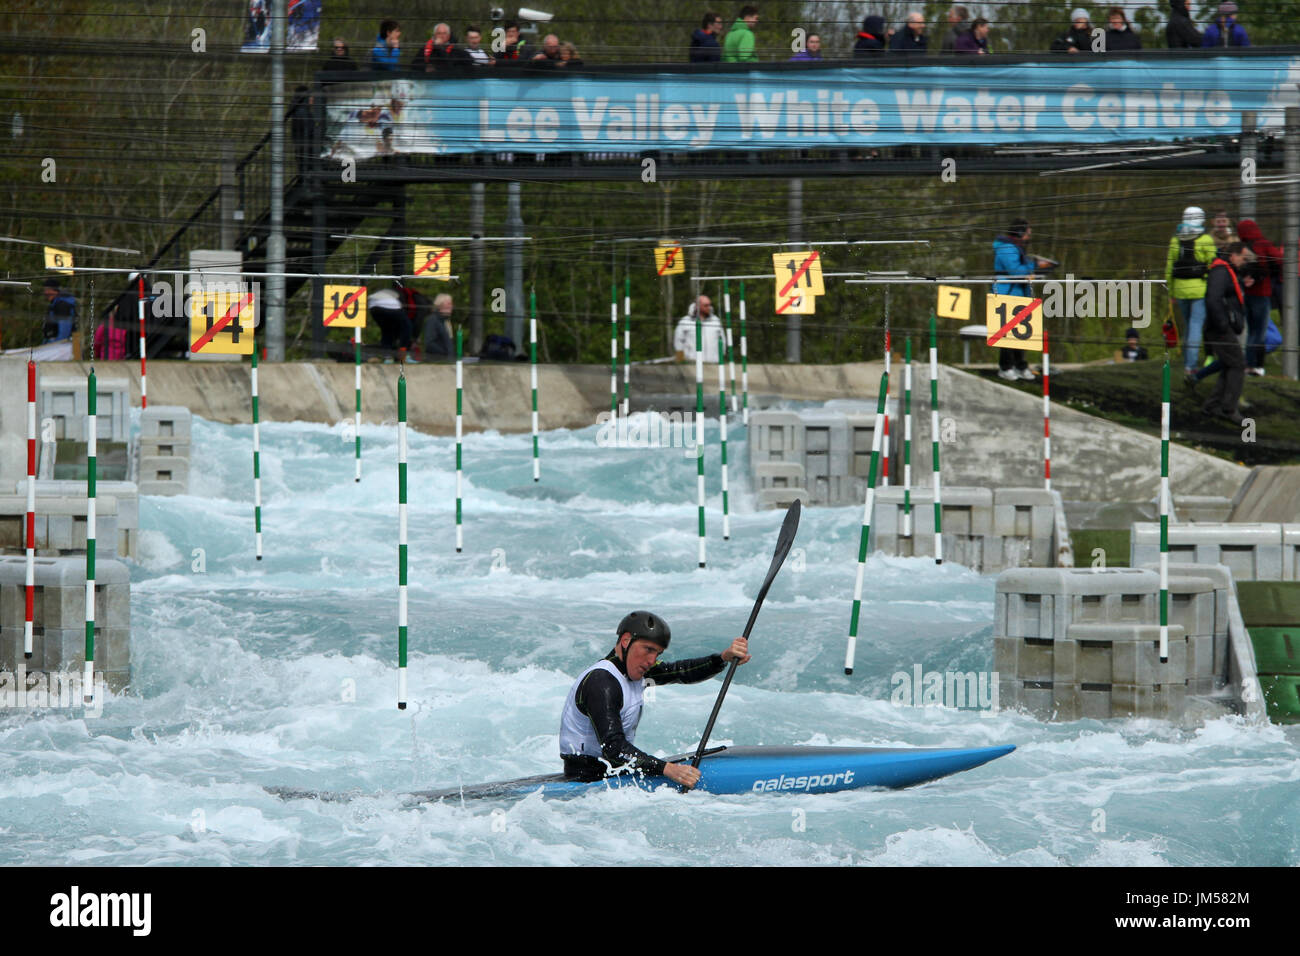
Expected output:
(536, 16)
(498, 13)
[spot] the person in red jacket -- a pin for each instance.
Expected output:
(1259, 296)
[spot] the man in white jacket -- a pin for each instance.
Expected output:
(684, 336)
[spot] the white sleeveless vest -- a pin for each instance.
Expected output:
(578, 734)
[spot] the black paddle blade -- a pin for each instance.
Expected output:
(789, 528)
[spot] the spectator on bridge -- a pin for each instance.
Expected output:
(1225, 30)
(569, 55)
(1266, 271)
(912, 38)
(812, 49)
(1119, 36)
(957, 25)
(738, 47)
(438, 338)
(60, 314)
(1191, 250)
(339, 58)
(1181, 32)
(1225, 304)
(704, 40)
(873, 36)
(974, 40)
(1132, 350)
(514, 45)
(388, 46)
(710, 330)
(473, 50)
(1011, 262)
(550, 49)
(1078, 39)
(438, 48)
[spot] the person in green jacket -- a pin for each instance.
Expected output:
(1191, 250)
(738, 47)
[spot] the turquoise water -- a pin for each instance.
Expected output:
(283, 672)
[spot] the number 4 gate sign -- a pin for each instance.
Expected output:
(344, 307)
(1014, 322)
(223, 322)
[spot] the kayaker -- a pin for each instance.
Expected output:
(601, 713)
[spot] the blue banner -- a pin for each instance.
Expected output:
(1109, 101)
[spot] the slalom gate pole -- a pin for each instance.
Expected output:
(907, 438)
(867, 510)
(1164, 514)
(30, 590)
(613, 350)
(356, 342)
(92, 434)
(731, 357)
(401, 541)
(722, 431)
(699, 425)
(144, 378)
(1047, 419)
(884, 465)
(627, 345)
(532, 351)
(257, 461)
(934, 434)
(460, 408)
(744, 360)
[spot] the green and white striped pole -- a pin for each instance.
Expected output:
(401, 541)
(1164, 515)
(257, 462)
(724, 351)
(627, 345)
(460, 408)
(356, 341)
(92, 435)
(934, 433)
(907, 438)
(699, 425)
(532, 351)
(884, 456)
(722, 431)
(867, 509)
(613, 350)
(744, 360)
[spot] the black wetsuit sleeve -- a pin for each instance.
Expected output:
(600, 698)
(690, 671)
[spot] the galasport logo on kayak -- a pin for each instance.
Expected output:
(803, 783)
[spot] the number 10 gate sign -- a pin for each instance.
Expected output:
(1014, 322)
(344, 307)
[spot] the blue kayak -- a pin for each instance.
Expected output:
(740, 770)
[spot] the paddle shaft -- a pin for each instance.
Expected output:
(786, 539)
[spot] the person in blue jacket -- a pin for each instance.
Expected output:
(387, 49)
(1011, 260)
(1225, 30)
(705, 47)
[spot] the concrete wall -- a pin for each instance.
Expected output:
(997, 438)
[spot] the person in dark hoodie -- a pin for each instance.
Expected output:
(1180, 31)
(1259, 294)
(1078, 39)
(975, 40)
(872, 37)
(1225, 303)
(912, 38)
(705, 47)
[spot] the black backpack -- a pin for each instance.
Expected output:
(1187, 266)
(498, 348)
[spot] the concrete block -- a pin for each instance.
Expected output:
(1202, 509)
(164, 448)
(1166, 701)
(1023, 512)
(165, 421)
(778, 474)
(1291, 552)
(1252, 552)
(1192, 603)
(782, 497)
(1081, 701)
(1138, 661)
(165, 488)
(1083, 660)
(775, 436)
(64, 399)
(1044, 602)
(165, 469)
(126, 493)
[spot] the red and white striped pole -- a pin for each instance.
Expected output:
(144, 381)
(1047, 420)
(31, 508)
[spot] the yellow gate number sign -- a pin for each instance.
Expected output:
(56, 260)
(432, 262)
(1027, 334)
(344, 307)
(954, 302)
(223, 322)
(797, 273)
(669, 260)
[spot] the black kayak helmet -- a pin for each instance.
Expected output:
(645, 626)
